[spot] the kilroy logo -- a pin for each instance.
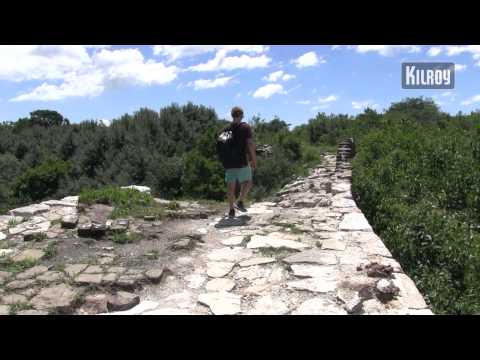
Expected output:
(426, 75)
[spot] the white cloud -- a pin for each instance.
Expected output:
(308, 59)
(223, 62)
(384, 50)
(202, 84)
(434, 51)
(364, 104)
(327, 99)
(446, 93)
(175, 52)
(471, 100)
(277, 75)
(304, 102)
(83, 74)
(319, 107)
(460, 67)
(387, 50)
(268, 90)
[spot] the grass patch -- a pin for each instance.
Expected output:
(17, 307)
(126, 202)
(125, 238)
(293, 228)
(51, 250)
(16, 267)
(12, 223)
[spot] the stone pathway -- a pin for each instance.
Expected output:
(310, 252)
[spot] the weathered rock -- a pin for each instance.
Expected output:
(50, 276)
(4, 276)
(59, 298)
(219, 269)
(233, 241)
(230, 255)
(378, 270)
(34, 235)
(316, 284)
(142, 189)
(154, 275)
(32, 312)
(4, 310)
(29, 211)
(19, 284)
(354, 222)
(313, 256)
(333, 244)
(317, 271)
(12, 299)
(32, 272)
(75, 269)
(116, 270)
(29, 292)
(257, 261)
(6, 252)
(220, 285)
(319, 306)
(93, 269)
(195, 281)
(351, 300)
(258, 242)
(89, 279)
(185, 243)
(221, 303)
(119, 226)
(268, 305)
(122, 301)
(2, 236)
(373, 307)
(253, 272)
(94, 304)
(409, 296)
(69, 221)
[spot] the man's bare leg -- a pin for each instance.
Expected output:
(231, 193)
(245, 188)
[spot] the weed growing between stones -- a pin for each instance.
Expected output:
(16, 267)
(124, 238)
(17, 307)
(51, 250)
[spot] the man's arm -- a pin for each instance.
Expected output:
(252, 152)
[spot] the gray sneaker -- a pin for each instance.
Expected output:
(239, 206)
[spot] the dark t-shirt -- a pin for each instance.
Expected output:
(241, 133)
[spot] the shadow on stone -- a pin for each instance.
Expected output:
(236, 221)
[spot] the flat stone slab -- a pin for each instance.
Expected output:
(257, 261)
(142, 189)
(59, 297)
(93, 269)
(253, 272)
(354, 222)
(50, 276)
(216, 285)
(269, 305)
(195, 281)
(233, 241)
(313, 256)
(221, 303)
(29, 211)
(317, 285)
(409, 295)
(4, 310)
(84, 279)
(259, 241)
(19, 284)
(6, 252)
(219, 269)
(32, 272)
(231, 255)
(59, 203)
(154, 275)
(333, 244)
(319, 306)
(12, 299)
(73, 270)
(317, 271)
(2, 236)
(29, 254)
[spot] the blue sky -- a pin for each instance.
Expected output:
(290, 81)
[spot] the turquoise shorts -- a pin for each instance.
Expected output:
(240, 174)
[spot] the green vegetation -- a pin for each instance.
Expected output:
(15, 308)
(124, 238)
(7, 264)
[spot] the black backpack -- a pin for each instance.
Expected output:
(226, 149)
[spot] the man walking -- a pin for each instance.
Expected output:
(240, 167)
